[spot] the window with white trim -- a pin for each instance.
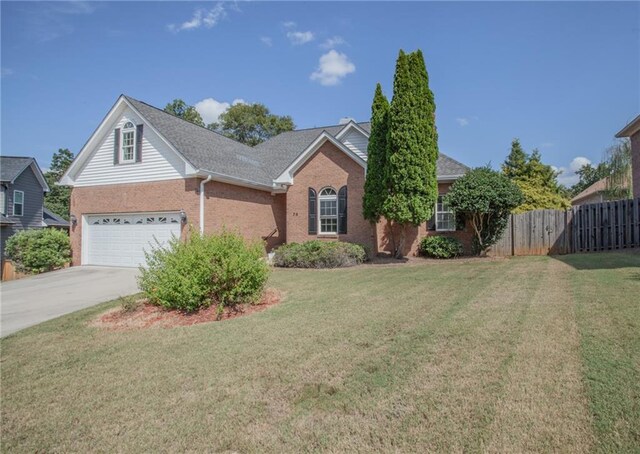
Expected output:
(328, 219)
(445, 216)
(3, 201)
(127, 143)
(18, 203)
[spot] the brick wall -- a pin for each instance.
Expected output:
(170, 195)
(329, 166)
(415, 234)
(635, 163)
(254, 213)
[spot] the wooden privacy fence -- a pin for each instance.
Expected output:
(585, 228)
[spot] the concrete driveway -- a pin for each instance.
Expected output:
(29, 301)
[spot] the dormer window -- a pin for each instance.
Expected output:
(128, 140)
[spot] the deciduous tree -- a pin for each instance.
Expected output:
(57, 199)
(486, 198)
(251, 124)
(181, 109)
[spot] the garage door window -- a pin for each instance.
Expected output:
(133, 219)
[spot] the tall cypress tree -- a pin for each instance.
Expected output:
(412, 149)
(375, 187)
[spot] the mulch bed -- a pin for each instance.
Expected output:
(147, 315)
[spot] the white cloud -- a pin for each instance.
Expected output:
(568, 176)
(345, 120)
(298, 38)
(334, 66)
(462, 121)
(267, 41)
(6, 72)
(201, 18)
(211, 109)
(332, 42)
(578, 162)
(289, 24)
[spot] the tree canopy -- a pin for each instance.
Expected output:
(57, 199)
(619, 181)
(181, 109)
(588, 175)
(486, 198)
(538, 181)
(251, 124)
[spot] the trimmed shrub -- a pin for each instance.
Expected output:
(223, 269)
(440, 247)
(39, 250)
(319, 254)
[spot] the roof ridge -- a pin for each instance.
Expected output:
(327, 126)
(186, 121)
(17, 157)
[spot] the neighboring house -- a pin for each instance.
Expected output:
(145, 175)
(52, 220)
(595, 193)
(632, 131)
(22, 189)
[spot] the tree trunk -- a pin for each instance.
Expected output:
(399, 251)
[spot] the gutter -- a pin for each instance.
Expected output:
(202, 183)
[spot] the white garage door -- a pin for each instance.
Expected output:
(121, 239)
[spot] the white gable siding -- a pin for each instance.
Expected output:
(356, 142)
(159, 162)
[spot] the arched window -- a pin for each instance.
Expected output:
(127, 143)
(328, 201)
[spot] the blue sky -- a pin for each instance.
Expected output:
(563, 77)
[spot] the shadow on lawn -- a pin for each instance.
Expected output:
(629, 258)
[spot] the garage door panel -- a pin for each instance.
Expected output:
(121, 239)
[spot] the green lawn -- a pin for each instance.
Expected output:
(512, 355)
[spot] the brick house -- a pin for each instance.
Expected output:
(145, 175)
(632, 131)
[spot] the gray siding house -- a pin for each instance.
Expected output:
(22, 189)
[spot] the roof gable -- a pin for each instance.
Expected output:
(11, 167)
(286, 176)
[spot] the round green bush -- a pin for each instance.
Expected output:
(223, 269)
(440, 247)
(319, 254)
(39, 250)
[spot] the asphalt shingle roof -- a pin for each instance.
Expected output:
(12, 166)
(5, 220)
(280, 151)
(203, 148)
(209, 150)
(53, 220)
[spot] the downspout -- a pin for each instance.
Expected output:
(202, 183)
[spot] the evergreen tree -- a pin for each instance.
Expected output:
(514, 165)
(537, 181)
(375, 187)
(412, 149)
